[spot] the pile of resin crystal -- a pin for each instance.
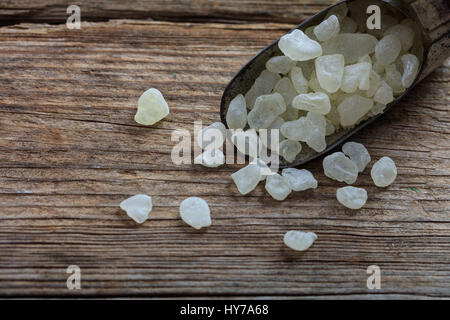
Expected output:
(330, 78)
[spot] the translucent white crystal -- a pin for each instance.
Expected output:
(247, 142)
(388, 49)
(263, 168)
(404, 33)
(310, 129)
(289, 149)
(357, 153)
(267, 109)
(286, 89)
(351, 197)
(195, 212)
(410, 69)
(266, 139)
(237, 113)
(151, 108)
(356, 76)
(279, 64)
(327, 29)
(348, 25)
(330, 128)
(351, 45)
(137, 207)
(377, 109)
(352, 109)
(211, 158)
(278, 187)
(318, 102)
(300, 180)
(384, 172)
(378, 67)
(374, 84)
(365, 58)
(298, 240)
(263, 85)
(315, 85)
(338, 167)
(297, 46)
(317, 124)
(298, 80)
(384, 94)
(247, 178)
(212, 136)
(296, 130)
(329, 71)
(394, 79)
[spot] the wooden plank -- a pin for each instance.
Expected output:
(70, 152)
(54, 11)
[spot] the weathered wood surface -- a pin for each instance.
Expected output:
(70, 152)
(54, 11)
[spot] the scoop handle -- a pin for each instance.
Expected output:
(434, 17)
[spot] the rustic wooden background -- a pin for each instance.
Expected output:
(70, 152)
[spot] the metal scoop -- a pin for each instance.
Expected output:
(432, 49)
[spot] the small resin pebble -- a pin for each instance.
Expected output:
(356, 76)
(279, 64)
(237, 113)
(357, 153)
(298, 80)
(247, 142)
(295, 130)
(316, 101)
(338, 167)
(383, 172)
(315, 138)
(272, 130)
(278, 186)
(264, 84)
(263, 168)
(352, 109)
(351, 45)
(299, 47)
(388, 49)
(329, 71)
(327, 29)
(410, 69)
(286, 89)
(352, 197)
(212, 136)
(137, 207)
(384, 94)
(151, 108)
(394, 79)
(195, 212)
(300, 180)
(247, 178)
(299, 240)
(211, 158)
(404, 33)
(267, 109)
(310, 129)
(290, 149)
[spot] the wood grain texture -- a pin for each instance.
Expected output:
(54, 11)
(70, 152)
